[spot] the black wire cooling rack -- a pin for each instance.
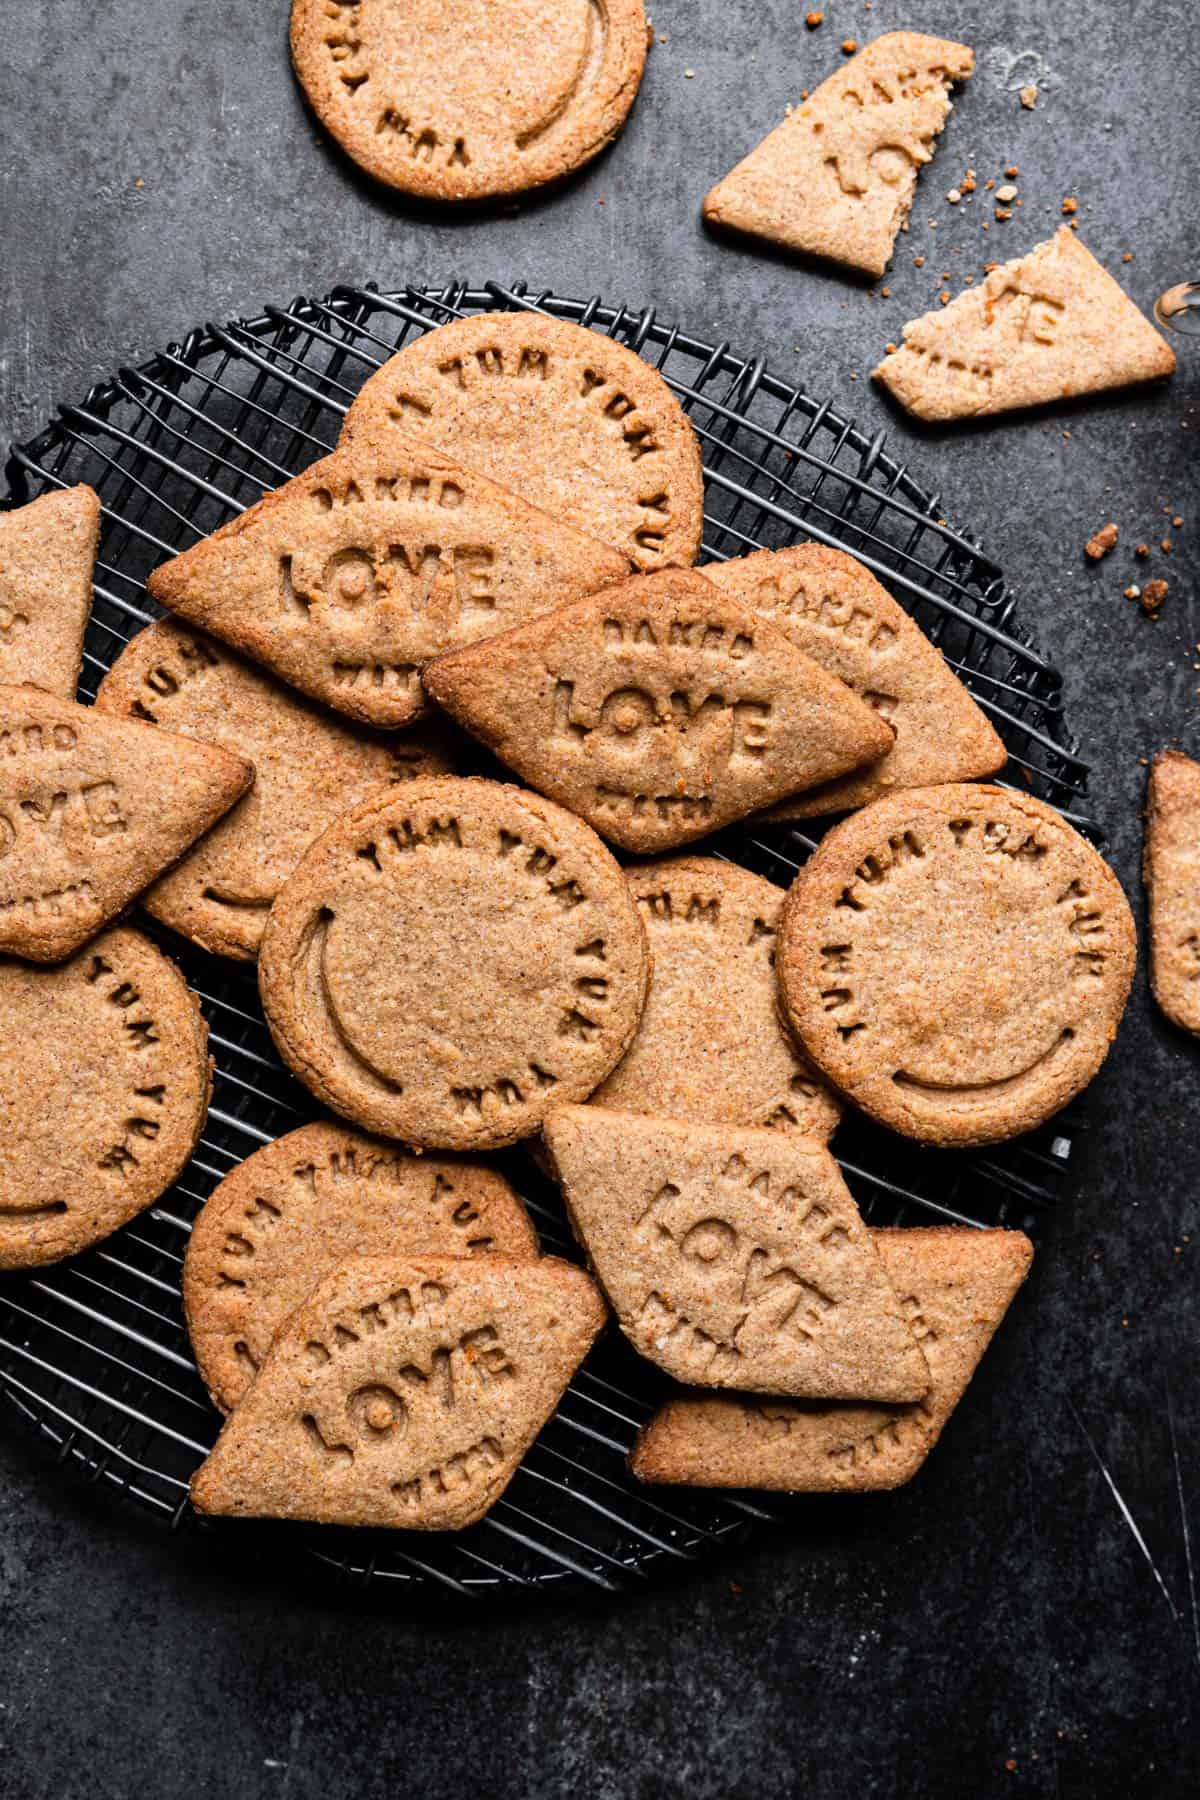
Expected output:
(93, 1352)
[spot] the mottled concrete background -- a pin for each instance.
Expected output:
(997, 1628)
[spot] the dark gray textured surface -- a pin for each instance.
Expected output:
(997, 1627)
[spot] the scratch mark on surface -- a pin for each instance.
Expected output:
(1128, 1517)
(1183, 1520)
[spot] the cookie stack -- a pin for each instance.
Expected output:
(504, 543)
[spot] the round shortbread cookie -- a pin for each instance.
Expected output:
(463, 99)
(295, 1211)
(956, 960)
(310, 768)
(104, 1087)
(711, 1045)
(570, 420)
(451, 960)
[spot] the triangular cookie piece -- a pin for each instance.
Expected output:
(836, 612)
(348, 578)
(567, 417)
(1049, 326)
(92, 809)
(404, 1392)
(836, 179)
(955, 1286)
(658, 710)
(47, 552)
(1171, 869)
(734, 1258)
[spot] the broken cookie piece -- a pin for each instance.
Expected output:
(837, 178)
(1101, 542)
(1050, 326)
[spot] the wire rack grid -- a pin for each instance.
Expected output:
(93, 1352)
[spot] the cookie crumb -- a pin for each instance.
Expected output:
(1128, 256)
(1167, 546)
(1006, 194)
(1004, 212)
(1133, 591)
(1153, 595)
(953, 196)
(849, 46)
(1012, 171)
(1143, 550)
(918, 262)
(1069, 206)
(1101, 542)
(1028, 97)
(813, 19)
(944, 296)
